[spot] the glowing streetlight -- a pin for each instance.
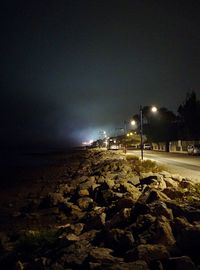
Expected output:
(133, 122)
(154, 109)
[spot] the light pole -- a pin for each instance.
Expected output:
(154, 110)
(125, 130)
(141, 132)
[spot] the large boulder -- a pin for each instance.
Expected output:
(119, 240)
(120, 219)
(137, 265)
(174, 193)
(188, 240)
(162, 232)
(127, 201)
(180, 263)
(159, 208)
(75, 254)
(152, 195)
(95, 219)
(148, 253)
(103, 256)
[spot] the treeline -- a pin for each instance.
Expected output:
(167, 126)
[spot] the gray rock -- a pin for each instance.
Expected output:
(149, 252)
(170, 182)
(103, 256)
(152, 195)
(134, 179)
(77, 228)
(137, 265)
(159, 208)
(183, 210)
(85, 203)
(181, 263)
(95, 219)
(186, 183)
(127, 201)
(75, 254)
(173, 193)
(119, 240)
(177, 177)
(188, 240)
(87, 184)
(83, 192)
(120, 219)
(163, 232)
(149, 180)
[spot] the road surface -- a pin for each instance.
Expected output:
(183, 164)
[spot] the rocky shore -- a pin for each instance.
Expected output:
(106, 210)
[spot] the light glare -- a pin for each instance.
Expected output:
(154, 109)
(133, 123)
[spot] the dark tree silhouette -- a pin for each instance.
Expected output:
(189, 117)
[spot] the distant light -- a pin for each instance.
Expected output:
(133, 123)
(131, 133)
(88, 142)
(154, 109)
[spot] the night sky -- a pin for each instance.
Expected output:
(70, 69)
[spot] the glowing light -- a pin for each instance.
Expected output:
(88, 142)
(154, 109)
(133, 123)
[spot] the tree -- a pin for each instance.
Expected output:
(159, 127)
(189, 117)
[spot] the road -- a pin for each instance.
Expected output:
(183, 164)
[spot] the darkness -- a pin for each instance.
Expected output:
(70, 69)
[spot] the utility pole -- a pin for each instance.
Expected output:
(141, 132)
(125, 131)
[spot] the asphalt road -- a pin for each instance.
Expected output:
(183, 164)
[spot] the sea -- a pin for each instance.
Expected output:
(15, 160)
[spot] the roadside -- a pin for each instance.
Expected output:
(188, 166)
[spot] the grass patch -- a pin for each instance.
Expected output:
(36, 243)
(143, 166)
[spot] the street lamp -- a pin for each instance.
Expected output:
(154, 110)
(133, 122)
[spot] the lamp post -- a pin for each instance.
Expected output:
(141, 132)
(125, 130)
(154, 110)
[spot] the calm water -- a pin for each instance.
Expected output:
(13, 161)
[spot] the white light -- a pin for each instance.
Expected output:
(133, 123)
(154, 109)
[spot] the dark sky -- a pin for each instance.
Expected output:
(70, 69)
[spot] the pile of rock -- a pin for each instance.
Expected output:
(111, 218)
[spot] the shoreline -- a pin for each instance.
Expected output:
(105, 210)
